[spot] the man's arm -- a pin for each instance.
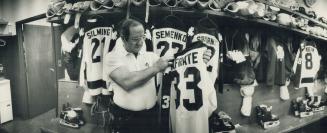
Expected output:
(130, 80)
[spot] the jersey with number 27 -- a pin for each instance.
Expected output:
(95, 45)
(166, 41)
(306, 66)
(193, 90)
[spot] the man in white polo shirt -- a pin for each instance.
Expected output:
(132, 71)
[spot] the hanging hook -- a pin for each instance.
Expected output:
(207, 18)
(128, 9)
(2, 42)
(172, 20)
(307, 37)
(94, 18)
(171, 14)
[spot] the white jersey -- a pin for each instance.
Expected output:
(166, 42)
(306, 66)
(193, 91)
(212, 41)
(96, 44)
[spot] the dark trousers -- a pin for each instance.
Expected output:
(127, 121)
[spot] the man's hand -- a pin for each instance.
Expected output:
(162, 63)
(207, 55)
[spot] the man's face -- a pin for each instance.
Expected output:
(135, 39)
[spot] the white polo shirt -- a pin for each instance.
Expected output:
(142, 97)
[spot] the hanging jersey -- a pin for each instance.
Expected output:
(97, 42)
(71, 47)
(306, 65)
(322, 48)
(242, 47)
(72, 62)
(276, 71)
(193, 90)
(211, 37)
(166, 42)
(254, 52)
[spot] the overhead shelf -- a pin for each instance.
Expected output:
(294, 12)
(183, 11)
(3, 22)
(4, 35)
(57, 19)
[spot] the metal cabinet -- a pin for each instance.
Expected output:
(5, 101)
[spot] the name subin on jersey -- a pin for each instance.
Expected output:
(207, 39)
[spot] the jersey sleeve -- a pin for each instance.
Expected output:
(69, 39)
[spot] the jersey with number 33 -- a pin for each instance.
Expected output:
(193, 96)
(166, 41)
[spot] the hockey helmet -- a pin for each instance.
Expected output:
(217, 5)
(55, 8)
(323, 20)
(284, 19)
(260, 12)
(250, 9)
(202, 4)
(98, 4)
(138, 2)
(172, 3)
(234, 7)
(231, 7)
(189, 3)
(81, 6)
(154, 2)
(119, 3)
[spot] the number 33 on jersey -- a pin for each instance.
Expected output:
(193, 96)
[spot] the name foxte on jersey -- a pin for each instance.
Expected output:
(187, 59)
(105, 31)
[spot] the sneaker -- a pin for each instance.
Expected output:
(265, 118)
(304, 110)
(221, 123)
(315, 103)
(71, 117)
(295, 108)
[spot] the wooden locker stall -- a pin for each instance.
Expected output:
(34, 72)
